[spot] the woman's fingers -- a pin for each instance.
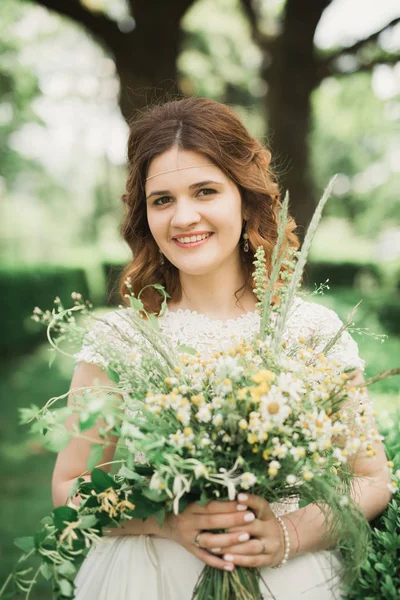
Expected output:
(259, 505)
(219, 541)
(224, 521)
(213, 560)
(213, 507)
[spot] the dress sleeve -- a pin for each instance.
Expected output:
(315, 320)
(108, 334)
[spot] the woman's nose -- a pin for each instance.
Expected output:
(185, 214)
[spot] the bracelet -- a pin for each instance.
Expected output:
(286, 543)
(297, 533)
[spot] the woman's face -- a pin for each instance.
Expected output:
(199, 201)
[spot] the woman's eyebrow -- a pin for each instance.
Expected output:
(191, 187)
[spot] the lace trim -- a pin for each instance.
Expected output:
(190, 328)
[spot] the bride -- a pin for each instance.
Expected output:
(200, 199)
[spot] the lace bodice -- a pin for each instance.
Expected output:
(207, 335)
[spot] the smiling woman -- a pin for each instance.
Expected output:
(200, 201)
(196, 170)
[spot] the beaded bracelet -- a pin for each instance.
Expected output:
(286, 544)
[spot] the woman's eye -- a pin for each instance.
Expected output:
(208, 190)
(159, 201)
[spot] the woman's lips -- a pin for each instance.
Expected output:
(192, 244)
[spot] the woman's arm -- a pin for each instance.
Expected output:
(71, 462)
(369, 490)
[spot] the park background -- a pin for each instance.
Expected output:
(318, 81)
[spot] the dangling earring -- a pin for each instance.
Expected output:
(246, 240)
(161, 257)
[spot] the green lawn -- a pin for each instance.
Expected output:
(27, 467)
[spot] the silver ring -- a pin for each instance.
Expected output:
(196, 539)
(264, 548)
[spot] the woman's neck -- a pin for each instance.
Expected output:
(214, 296)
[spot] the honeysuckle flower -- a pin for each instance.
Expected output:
(248, 480)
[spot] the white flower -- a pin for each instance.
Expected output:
(217, 402)
(218, 419)
(204, 414)
(392, 487)
(344, 500)
(338, 454)
(156, 483)
(200, 470)
(247, 480)
(291, 479)
(274, 406)
(291, 385)
(228, 366)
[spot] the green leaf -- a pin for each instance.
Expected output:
(154, 321)
(87, 521)
(135, 303)
(160, 516)
(154, 495)
(113, 375)
(102, 481)
(159, 288)
(46, 571)
(67, 569)
(89, 422)
(66, 588)
(95, 456)
(304, 503)
(26, 544)
(56, 439)
(186, 349)
(28, 414)
(129, 474)
(62, 514)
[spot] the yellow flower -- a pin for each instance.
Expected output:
(266, 454)
(197, 399)
(390, 464)
(188, 431)
(263, 376)
(251, 438)
(307, 475)
(243, 424)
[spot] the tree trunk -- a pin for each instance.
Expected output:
(292, 76)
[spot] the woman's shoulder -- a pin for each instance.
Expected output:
(311, 319)
(108, 331)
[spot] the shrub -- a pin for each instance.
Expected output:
(380, 577)
(21, 289)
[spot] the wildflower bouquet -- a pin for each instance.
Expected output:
(277, 419)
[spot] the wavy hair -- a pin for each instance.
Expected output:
(214, 130)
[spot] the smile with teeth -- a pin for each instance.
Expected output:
(192, 238)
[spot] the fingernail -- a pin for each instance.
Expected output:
(242, 497)
(249, 517)
(215, 550)
(243, 537)
(228, 557)
(241, 507)
(229, 567)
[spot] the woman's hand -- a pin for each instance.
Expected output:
(255, 541)
(196, 522)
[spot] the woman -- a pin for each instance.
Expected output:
(200, 199)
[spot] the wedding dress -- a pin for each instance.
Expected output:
(153, 568)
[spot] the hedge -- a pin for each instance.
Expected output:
(22, 289)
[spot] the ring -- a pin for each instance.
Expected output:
(196, 539)
(264, 548)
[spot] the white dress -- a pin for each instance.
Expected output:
(153, 568)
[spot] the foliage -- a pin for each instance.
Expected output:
(353, 135)
(380, 576)
(19, 334)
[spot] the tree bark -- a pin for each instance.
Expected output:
(292, 77)
(145, 57)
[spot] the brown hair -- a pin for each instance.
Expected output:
(214, 130)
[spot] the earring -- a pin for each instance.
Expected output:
(246, 241)
(161, 257)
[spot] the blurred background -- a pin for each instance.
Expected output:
(316, 80)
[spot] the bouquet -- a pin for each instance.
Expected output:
(275, 418)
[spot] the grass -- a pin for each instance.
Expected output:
(27, 467)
